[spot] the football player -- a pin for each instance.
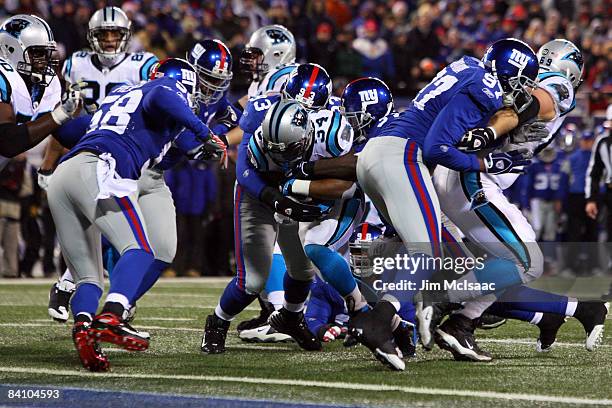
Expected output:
(500, 228)
(31, 106)
(107, 66)
(94, 191)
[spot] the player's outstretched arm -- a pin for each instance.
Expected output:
(326, 189)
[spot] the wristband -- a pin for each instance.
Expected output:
(301, 187)
(59, 116)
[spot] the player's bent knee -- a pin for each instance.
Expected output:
(535, 267)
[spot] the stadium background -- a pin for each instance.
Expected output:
(403, 42)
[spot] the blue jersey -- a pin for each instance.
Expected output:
(545, 181)
(461, 97)
(136, 124)
(576, 168)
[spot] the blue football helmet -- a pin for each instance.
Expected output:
(213, 62)
(359, 243)
(516, 67)
(310, 85)
(364, 102)
(183, 72)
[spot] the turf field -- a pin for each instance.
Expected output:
(37, 352)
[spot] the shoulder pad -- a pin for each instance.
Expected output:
(6, 90)
(560, 89)
(339, 138)
(485, 90)
(146, 61)
(255, 152)
(278, 78)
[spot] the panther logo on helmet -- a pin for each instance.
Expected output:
(277, 36)
(16, 26)
(299, 119)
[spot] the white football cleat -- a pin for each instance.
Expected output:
(264, 334)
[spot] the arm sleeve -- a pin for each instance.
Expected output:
(594, 171)
(72, 131)
(246, 174)
(165, 101)
(459, 115)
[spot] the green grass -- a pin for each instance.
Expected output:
(29, 340)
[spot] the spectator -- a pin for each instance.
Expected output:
(249, 9)
(580, 228)
(228, 25)
(324, 48)
(193, 188)
(376, 57)
(422, 40)
(348, 61)
(11, 185)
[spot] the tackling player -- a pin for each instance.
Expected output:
(94, 192)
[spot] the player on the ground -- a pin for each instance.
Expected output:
(107, 66)
(31, 106)
(94, 192)
(476, 204)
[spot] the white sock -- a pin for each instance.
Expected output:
(67, 276)
(359, 300)
(118, 298)
(220, 313)
(276, 298)
(294, 307)
(570, 309)
(537, 318)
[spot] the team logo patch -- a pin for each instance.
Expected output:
(368, 97)
(561, 90)
(518, 59)
(277, 36)
(488, 93)
(299, 119)
(16, 26)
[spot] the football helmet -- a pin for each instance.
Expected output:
(286, 132)
(310, 85)
(516, 67)
(183, 72)
(269, 47)
(364, 102)
(27, 43)
(564, 57)
(213, 63)
(359, 243)
(109, 33)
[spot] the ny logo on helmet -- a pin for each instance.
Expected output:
(518, 59)
(277, 36)
(16, 26)
(368, 97)
(197, 51)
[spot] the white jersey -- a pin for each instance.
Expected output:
(130, 69)
(562, 92)
(26, 106)
(272, 82)
(333, 137)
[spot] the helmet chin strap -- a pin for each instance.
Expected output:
(109, 61)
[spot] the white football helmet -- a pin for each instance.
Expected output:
(287, 133)
(109, 19)
(27, 42)
(562, 56)
(269, 47)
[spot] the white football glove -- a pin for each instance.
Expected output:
(44, 177)
(72, 100)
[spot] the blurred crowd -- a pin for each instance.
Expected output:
(404, 42)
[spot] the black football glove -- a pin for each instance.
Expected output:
(303, 171)
(476, 139)
(513, 161)
(288, 207)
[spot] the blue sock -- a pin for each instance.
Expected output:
(334, 268)
(296, 291)
(504, 310)
(525, 298)
(319, 310)
(234, 300)
(502, 272)
(277, 272)
(128, 274)
(86, 299)
(152, 275)
(408, 312)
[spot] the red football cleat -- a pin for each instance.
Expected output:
(91, 355)
(110, 328)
